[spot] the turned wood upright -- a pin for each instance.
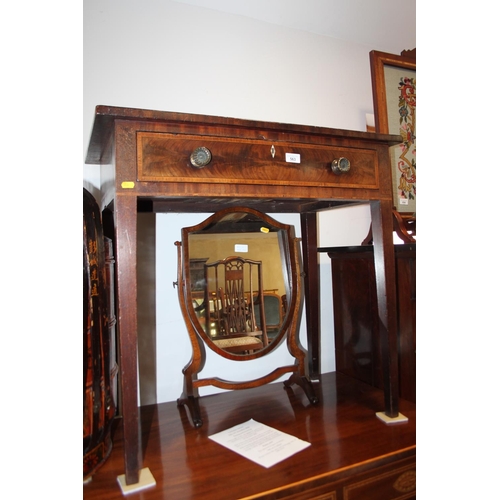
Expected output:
(276, 168)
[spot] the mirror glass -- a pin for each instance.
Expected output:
(235, 261)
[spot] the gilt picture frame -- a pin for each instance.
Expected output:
(394, 100)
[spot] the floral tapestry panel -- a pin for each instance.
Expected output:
(401, 94)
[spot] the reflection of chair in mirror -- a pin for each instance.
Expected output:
(237, 328)
(273, 312)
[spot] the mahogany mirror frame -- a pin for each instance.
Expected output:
(291, 264)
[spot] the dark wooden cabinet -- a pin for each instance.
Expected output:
(99, 346)
(358, 350)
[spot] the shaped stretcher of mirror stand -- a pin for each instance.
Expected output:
(211, 316)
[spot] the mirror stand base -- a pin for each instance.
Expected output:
(193, 405)
(306, 386)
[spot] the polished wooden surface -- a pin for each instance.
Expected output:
(347, 443)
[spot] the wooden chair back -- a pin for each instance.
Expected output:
(231, 284)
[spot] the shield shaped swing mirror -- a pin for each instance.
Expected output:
(239, 286)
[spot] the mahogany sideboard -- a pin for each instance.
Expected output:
(357, 349)
(144, 157)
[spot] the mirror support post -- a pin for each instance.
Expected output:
(309, 230)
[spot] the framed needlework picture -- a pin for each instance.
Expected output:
(394, 85)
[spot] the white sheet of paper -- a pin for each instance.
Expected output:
(260, 443)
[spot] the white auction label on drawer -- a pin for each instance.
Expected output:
(292, 157)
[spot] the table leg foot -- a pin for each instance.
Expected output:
(400, 419)
(146, 480)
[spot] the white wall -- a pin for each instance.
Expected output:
(163, 55)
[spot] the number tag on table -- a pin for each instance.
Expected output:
(292, 158)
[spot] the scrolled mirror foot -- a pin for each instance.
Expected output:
(305, 384)
(193, 406)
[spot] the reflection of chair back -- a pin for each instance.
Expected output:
(232, 310)
(273, 312)
(235, 307)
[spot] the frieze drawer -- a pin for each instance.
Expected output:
(163, 157)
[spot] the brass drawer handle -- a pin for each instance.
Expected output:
(341, 166)
(200, 157)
